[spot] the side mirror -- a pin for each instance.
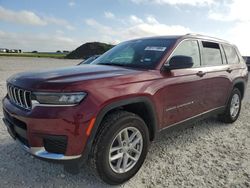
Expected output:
(179, 62)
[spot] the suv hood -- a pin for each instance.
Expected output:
(61, 76)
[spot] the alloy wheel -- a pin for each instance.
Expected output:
(235, 105)
(125, 150)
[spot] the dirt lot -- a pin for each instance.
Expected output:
(211, 154)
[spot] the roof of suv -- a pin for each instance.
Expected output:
(187, 36)
(204, 37)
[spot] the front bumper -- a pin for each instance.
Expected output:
(48, 133)
(36, 151)
(42, 153)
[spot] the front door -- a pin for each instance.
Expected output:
(182, 94)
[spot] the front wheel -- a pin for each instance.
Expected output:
(233, 108)
(121, 147)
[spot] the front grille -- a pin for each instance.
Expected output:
(55, 144)
(20, 97)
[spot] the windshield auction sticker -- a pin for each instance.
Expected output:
(155, 48)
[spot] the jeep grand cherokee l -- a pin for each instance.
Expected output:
(109, 112)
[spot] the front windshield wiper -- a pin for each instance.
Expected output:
(112, 64)
(128, 66)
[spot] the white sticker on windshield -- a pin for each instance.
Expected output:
(155, 48)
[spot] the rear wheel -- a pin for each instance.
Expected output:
(121, 147)
(233, 107)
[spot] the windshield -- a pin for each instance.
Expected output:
(144, 53)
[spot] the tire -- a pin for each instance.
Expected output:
(228, 116)
(114, 125)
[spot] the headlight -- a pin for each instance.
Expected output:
(58, 98)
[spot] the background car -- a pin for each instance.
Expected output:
(89, 60)
(247, 60)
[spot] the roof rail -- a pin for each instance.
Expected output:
(215, 38)
(194, 34)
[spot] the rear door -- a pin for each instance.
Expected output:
(216, 79)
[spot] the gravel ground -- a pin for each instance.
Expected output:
(210, 154)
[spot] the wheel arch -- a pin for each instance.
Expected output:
(126, 104)
(241, 85)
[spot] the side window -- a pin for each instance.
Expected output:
(189, 48)
(211, 54)
(232, 57)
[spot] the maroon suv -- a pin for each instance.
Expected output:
(111, 110)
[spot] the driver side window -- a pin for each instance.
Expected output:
(189, 48)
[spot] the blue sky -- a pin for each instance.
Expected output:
(64, 25)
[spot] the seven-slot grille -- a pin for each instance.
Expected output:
(19, 96)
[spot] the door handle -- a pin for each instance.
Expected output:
(229, 70)
(200, 73)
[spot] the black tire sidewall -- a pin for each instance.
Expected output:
(102, 154)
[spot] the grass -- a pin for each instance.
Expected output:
(26, 54)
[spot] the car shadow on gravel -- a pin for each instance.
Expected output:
(19, 168)
(186, 131)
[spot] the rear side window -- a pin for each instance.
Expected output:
(211, 54)
(232, 57)
(189, 48)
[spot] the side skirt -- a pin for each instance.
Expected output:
(190, 121)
